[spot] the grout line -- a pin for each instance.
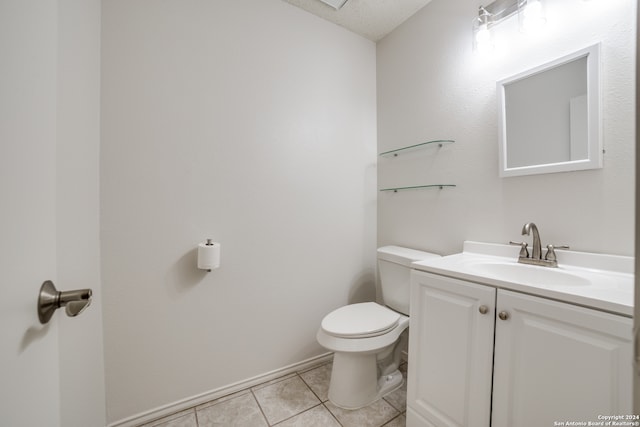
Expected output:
(197, 420)
(391, 404)
(332, 414)
(387, 423)
(266, 420)
(295, 415)
(309, 387)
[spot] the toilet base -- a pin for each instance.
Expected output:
(365, 369)
(355, 382)
(390, 383)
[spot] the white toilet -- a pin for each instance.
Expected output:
(366, 338)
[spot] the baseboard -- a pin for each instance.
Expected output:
(199, 399)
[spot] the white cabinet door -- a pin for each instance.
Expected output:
(556, 362)
(450, 352)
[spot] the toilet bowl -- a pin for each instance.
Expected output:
(367, 338)
(357, 377)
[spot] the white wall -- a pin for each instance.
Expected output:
(431, 85)
(251, 122)
(78, 207)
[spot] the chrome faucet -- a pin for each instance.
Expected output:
(537, 246)
(549, 260)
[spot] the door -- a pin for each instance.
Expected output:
(50, 375)
(29, 388)
(450, 352)
(556, 362)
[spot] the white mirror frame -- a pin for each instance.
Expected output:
(595, 148)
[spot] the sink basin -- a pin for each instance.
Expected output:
(530, 274)
(600, 281)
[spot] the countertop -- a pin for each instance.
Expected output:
(599, 281)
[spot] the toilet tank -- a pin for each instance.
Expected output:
(394, 266)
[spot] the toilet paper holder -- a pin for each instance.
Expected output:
(50, 299)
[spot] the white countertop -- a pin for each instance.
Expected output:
(603, 282)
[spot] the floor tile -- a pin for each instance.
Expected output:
(284, 399)
(398, 398)
(318, 380)
(399, 421)
(293, 400)
(241, 410)
(374, 415)
(181, 419)
(318, 416)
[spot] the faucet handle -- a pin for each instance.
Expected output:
(524, 252)
(551, 253)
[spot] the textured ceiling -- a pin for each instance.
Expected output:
(372, 19)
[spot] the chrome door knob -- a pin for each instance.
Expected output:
(503, 315)
(483, 309)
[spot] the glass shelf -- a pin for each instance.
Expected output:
(437, 142)
(418, 187)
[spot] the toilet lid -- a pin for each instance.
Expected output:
(366, 319)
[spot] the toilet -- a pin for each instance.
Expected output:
(367, 338)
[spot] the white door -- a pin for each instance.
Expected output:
(29, 356)
(450, 352)
(50, 375)
(556, 362)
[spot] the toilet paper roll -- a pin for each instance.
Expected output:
(209, 256)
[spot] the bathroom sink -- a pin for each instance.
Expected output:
(530, 274)
(601, 281)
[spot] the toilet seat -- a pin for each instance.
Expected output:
(362, 320)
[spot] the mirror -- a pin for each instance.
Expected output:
(550, 117)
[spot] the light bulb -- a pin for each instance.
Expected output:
(482, 35)
(532, 17)
(483, 39)
(533, 9)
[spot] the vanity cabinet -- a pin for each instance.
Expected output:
(481, 356)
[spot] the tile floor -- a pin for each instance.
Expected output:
(295, 400)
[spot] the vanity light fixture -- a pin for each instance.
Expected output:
(530, 17)
(482, 37)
